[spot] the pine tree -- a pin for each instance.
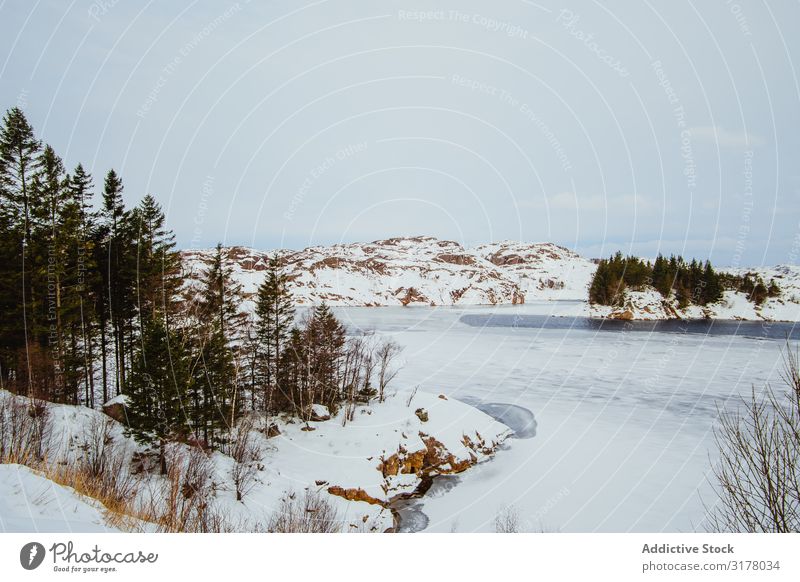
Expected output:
(215, 383)
(275, 318)
(325, 338)
(82, 278)
(48, 250)
(19, 150)
(157, 389)
(119, 273)
(157, 263)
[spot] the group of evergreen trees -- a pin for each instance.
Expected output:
(690, 283)
(93, 305)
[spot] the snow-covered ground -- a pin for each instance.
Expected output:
(30, 502)
(623, 438)
(649, 305)
(342, 463)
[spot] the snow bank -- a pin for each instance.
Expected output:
(651, 305)
(345, 462)
(29, 502)
(440, 435)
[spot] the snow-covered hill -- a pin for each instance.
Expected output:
(427, 271)
(417, 270)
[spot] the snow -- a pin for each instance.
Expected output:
(118, 399)
(320, 412)
(623, 438)
(29, 502)
(613, 428)
(433, 271)
(346, 455)
(349, 456)
(427, 271)
(650, 305)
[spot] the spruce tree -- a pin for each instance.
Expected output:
(157, 263)
(215, 383)
(275, 317)
(118, 272)
(19, 150)
(325, 338)
(157, 389)
(48, 250)
(712, 289)
(82, 277)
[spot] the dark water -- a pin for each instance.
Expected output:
(718, 327)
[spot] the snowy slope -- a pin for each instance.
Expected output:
(29, 502)
(650, 305)
(417, 270)
(427, 271)
(344, 463)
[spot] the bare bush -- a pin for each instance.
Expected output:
(411, 395)
(386, 354)
(106, 465)
(246, 457)
(507, 521)
(181, 501)
(758, 474)
(97, 444)
(311, 513)
(25, 430)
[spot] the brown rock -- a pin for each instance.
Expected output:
(117, 412)
(463, 260)
(355, 494)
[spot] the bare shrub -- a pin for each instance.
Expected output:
(507, 521)
(246, 456)
(180, 503)
(411, 395)
(386, 353)
(113, 485)
(106, 467)
(758, 474)
(311, 513)
(97, 445)
(25, 430)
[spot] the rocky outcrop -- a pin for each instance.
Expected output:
(355, 494)
(435, 459)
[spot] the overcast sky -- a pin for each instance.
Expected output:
(647, 126)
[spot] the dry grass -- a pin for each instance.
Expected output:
(311, 513)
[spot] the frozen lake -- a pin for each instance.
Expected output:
(623, 415)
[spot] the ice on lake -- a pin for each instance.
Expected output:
(623, 418)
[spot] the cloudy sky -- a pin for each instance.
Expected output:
(647, 126)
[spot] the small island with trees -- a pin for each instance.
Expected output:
(684, 284)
